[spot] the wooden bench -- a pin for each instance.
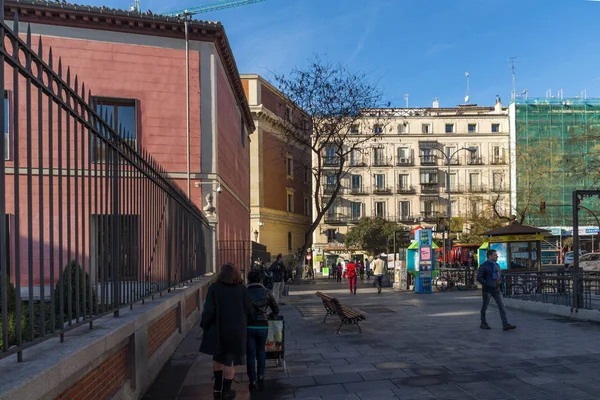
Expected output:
(347, 315)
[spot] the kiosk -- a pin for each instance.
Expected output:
(519, 247)
(421, 260)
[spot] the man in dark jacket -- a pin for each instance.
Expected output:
(489, 277)
(258, 328)
(279, 275)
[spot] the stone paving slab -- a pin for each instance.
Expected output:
(413, 347)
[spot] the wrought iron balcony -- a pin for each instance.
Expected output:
(379, 215)
(498, 161)
(478, 188)
(429, 215)
(329, 189)
(357, 190)
(430, 188)
(331, 161)
(500, 188)
(405, 189)
(408, 161)
(454, 161)
(355, 219)
(381, 190)
(357, 162)
(475, 160)
(336, 219)
(405, 218)
(381, 162)
(455, 189)
(428, 160)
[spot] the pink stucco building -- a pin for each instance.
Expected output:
(135, 66)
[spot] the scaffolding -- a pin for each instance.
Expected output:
(557, 150)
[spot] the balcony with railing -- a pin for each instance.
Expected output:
(331, 161)
(429, 159)
(405, 161)
(405, 218)
(500, 188)
(381, 189)
(379, 215)
(381, 162)
(454, 189)
(357, 162)
(357, 190)
(329, 188)
(336, 219)
(478, 188)
(475, 160)
(430, 188)
(430, 216)
(355, 219)
(454, 161)
(405, 189)
(498, 161)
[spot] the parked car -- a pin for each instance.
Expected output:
(569, 257)
(589, 262)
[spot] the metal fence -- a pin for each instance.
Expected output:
(88, 224)
(572, 289)
(237, 252)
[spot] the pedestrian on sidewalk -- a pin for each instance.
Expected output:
(258, 328)
(339, 271)
(361, 269)
(368, 268)
(491, 284)
(351, 274)
(378, 271)
(279, 275)
(225, 322)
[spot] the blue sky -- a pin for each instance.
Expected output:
(420, 47)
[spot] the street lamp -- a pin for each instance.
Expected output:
(448, 158)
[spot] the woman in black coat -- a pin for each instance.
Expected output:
(225, 321)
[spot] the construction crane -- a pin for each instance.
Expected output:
(219, 5)
(136, 6)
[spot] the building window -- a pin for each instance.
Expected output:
(354, 130)
(429, 177)
(290, 241)
(377, 129)
(474, 207)
(495, 128)
(290, 167)
(474, 181)
(331, 235)
(306, 174)
(403, 182)
(428, 208)
(449, 128)
(355, 158)
(356, 182)
(6, 126)
(425, 128)
(378, 156)
(290, 202)
(402, 128)
(379, 182)
(356, 211)
(123, 113)
(307, 206)
(404, 209)
(472, 128)
(380, 209)
(127, 240)
(497, 179)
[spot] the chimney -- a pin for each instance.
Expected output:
(436, 103)
(498, 106)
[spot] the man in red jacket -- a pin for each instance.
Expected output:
(351, 274)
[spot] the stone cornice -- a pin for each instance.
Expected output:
(104, 18)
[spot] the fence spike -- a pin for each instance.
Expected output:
(1, 10)
(16, 25)
(50, 61)
(89, 99)
(28, 41)
(59, 62)
(76, 87)
(40, 47)
(68, 75)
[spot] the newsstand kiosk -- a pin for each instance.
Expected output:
(421, 261)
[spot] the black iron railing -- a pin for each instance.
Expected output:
(80, 236)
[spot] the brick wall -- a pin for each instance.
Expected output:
(191, 304)
(161, 330)
(102, 381)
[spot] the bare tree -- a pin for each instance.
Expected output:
(330, 112)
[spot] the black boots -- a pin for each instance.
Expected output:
(227, 393)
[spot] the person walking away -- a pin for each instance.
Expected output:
(378, 271)
(361, 269)
(368, 268)
(339, 271)
(278, 271)
(491, 283)
(258, 327)
(225, 322)
(351, 274)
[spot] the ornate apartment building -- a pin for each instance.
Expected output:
(401, 174)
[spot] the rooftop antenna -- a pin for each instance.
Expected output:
(406, 99)
(468, 94)
(512, 61)
(136, 6)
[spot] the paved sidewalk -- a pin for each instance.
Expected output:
(412, 347)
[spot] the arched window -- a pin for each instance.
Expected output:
(290, 244)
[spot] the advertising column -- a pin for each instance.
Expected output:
(425, 257)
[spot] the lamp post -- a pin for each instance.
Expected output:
(448, 158)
